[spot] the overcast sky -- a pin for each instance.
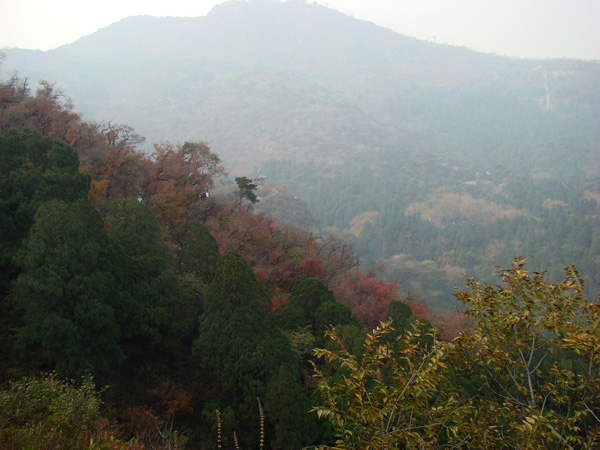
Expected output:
(522, 28)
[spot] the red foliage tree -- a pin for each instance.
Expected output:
(311, 266)
(367, 297)
(420, 310)
(279, 254)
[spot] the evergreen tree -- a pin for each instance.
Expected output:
(67, 292)
(401, 315)
(147, 282)
(332, 314)
(287, 409)
(246, 190)
(199, 251)
(306, 296)
(238, 339)
(33, 169)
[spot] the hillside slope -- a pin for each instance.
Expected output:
(364, 122)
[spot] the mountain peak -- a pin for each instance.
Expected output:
(271, 11)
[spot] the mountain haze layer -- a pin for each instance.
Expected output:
(289, 76)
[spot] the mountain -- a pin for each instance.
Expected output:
(286, 76)
(438, 159)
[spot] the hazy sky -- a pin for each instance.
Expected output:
(524, 28)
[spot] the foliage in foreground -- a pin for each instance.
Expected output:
(526, 376)
(51, 414)
(47, 414)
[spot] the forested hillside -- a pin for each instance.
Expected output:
(435, 160)
(432, 222)
(145, 304)
(154, 275)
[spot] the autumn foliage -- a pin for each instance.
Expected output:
(148, 240)
(366, 296)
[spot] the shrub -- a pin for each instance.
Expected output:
(48, 413)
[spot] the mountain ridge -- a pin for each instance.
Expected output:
(180, 78)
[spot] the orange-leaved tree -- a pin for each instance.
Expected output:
(174, 185)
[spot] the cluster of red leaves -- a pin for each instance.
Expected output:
(47, 111)
(368, 298)
(174, 400)
(279, 254)
(141, 422)
(106, 436)
(420, 310)
(153, 425)
(174, 184)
